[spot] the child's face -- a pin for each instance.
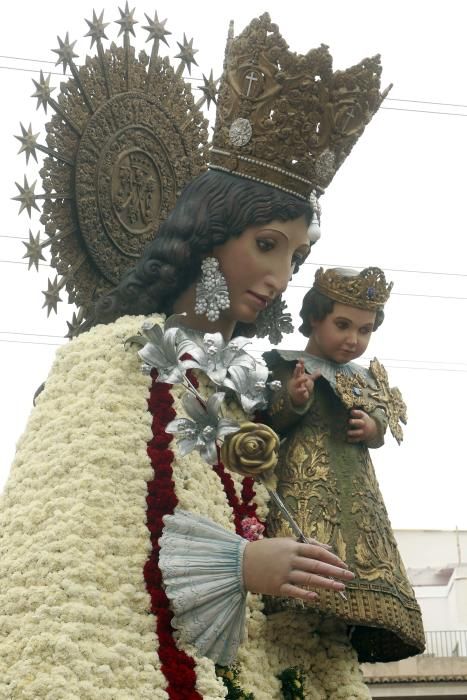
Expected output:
(343, 335)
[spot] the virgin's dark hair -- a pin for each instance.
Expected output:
(316, 306)
(214, 207)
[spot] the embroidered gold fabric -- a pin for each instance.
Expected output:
(331, 489)
(355, 392)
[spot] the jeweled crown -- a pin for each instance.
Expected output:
(367, 289)
(285, 119)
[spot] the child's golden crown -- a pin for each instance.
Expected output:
(285, 119)
(367, 289)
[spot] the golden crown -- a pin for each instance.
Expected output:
(367, 289)
(285, 119)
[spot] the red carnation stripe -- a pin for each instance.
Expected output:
(176, 665)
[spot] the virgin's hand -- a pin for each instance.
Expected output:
(284, 567)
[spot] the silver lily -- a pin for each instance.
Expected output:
(215, 357)
(250, 385)
(163, 349)
(203, 428)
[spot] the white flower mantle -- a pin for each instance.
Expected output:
(73, 542)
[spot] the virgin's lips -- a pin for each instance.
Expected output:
(261, 299)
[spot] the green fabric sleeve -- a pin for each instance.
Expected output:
(381, 420)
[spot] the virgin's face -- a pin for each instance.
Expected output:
(343, 335)
(258, 264)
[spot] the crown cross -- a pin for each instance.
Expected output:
(251, 78)
(349, 115)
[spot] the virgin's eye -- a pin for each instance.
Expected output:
(265, 244)
(341, 325)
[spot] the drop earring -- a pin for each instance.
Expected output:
(212, 294)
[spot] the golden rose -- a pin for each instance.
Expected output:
(252, 450)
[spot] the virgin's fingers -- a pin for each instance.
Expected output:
(311, 540)
(313, 552)
(290, 591)
(321, 568)
(308, 580)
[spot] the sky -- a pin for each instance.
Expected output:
(397, 203)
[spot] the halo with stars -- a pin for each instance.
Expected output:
(125, 137)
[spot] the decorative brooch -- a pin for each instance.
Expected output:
(355, 392)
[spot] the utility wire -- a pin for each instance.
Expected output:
(387, 99)
(364, 357)
(259, 351)
(306, 286)
(32, 70)
(36, 335)
(23, 58)
(194, 79)
(12, 262)
(316, 264)
(27, 342)
(392, 269)
(399, 294)
(424, 111)
(423, 102)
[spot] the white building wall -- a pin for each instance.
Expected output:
(432, 548)
(444, 608)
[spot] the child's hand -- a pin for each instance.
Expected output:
(300, 386)
(362, 428)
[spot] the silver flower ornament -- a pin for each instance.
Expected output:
(215, 357)
(163, 350)
(250, 385)
(203, 428)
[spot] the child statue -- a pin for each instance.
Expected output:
(333, 411)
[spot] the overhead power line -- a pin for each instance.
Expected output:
(365, 358)
(306, 286)
(31, 70)
(195, 79)
(316, 264)
(36, 335)
(425, 102)
(391, 269)
(23, 58)
(27, 342)
(424, 111)
(258, 351)
(398, 294)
